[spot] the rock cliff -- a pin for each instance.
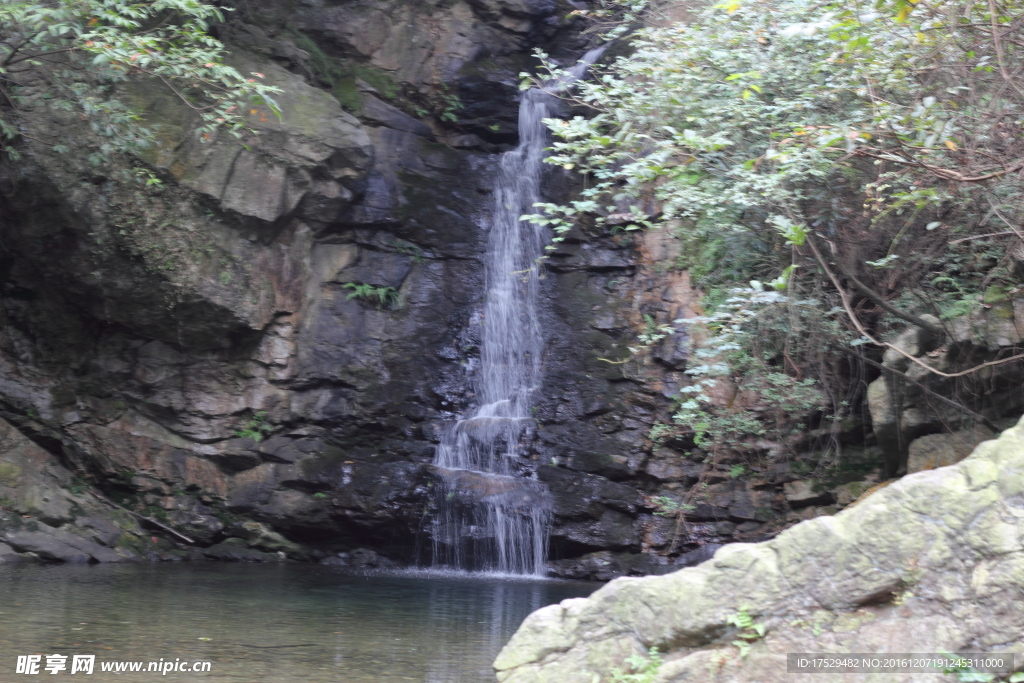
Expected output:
(264, 349)
(277, 333)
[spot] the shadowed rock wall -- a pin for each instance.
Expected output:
(199, 351)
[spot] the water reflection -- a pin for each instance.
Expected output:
(282, 623)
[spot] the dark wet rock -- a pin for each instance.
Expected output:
(237, 455)
(578, 494)
(100, 529)
(59, 545)
(614, 530)
(612, 466)
(148, 335)
(379, 113)
(9, 555)
(236, 550)
(698, 555)
(673, 468)
(605, 565)
(361, 558)
(192, 518)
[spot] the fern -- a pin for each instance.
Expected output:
(385, 297)
(644, 668)
(256, 428)
(749, 630)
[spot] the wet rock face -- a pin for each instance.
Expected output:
(262, 352)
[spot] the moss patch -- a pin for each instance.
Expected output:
(10, 474)
(339, 75)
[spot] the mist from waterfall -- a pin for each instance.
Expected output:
(488, 518)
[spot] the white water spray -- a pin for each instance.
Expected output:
(488, 518)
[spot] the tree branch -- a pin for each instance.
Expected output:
(906, 378)
(145, 518)
(844, 297)
(889, 308)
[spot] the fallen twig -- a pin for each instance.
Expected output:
(145, 518)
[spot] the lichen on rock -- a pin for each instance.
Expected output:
(931, 563)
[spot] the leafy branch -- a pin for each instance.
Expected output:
(83, 49)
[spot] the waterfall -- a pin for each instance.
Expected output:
(488, 518)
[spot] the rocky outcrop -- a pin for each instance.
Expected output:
(931, 563)
(277, 333)
(47, 515)
(902, 411)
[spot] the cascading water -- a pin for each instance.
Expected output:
(488, 518)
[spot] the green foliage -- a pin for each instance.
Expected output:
(450, 105)
(320, 495)
(771, 398)
(726, 119)
(643, 669)
(256, 428)
(384, 297)
(653, 332)
(82, 50)
(876, 129)
(667, 507)
(408, 249)
(748, 630)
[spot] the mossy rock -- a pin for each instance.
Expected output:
(10, 474)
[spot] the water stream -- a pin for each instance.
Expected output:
(269, 623)
(489, 516)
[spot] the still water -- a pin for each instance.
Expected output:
(274, 623)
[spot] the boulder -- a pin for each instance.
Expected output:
(363, 558)
(804, 492)
(606, 565)
(45, 546)
(236, 550)
(59, 545)
(261, 537)
(931, 563)
(99, 529)
(940, 450)
(902, 412)
(9, 555)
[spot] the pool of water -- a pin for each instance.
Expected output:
(274, 623)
